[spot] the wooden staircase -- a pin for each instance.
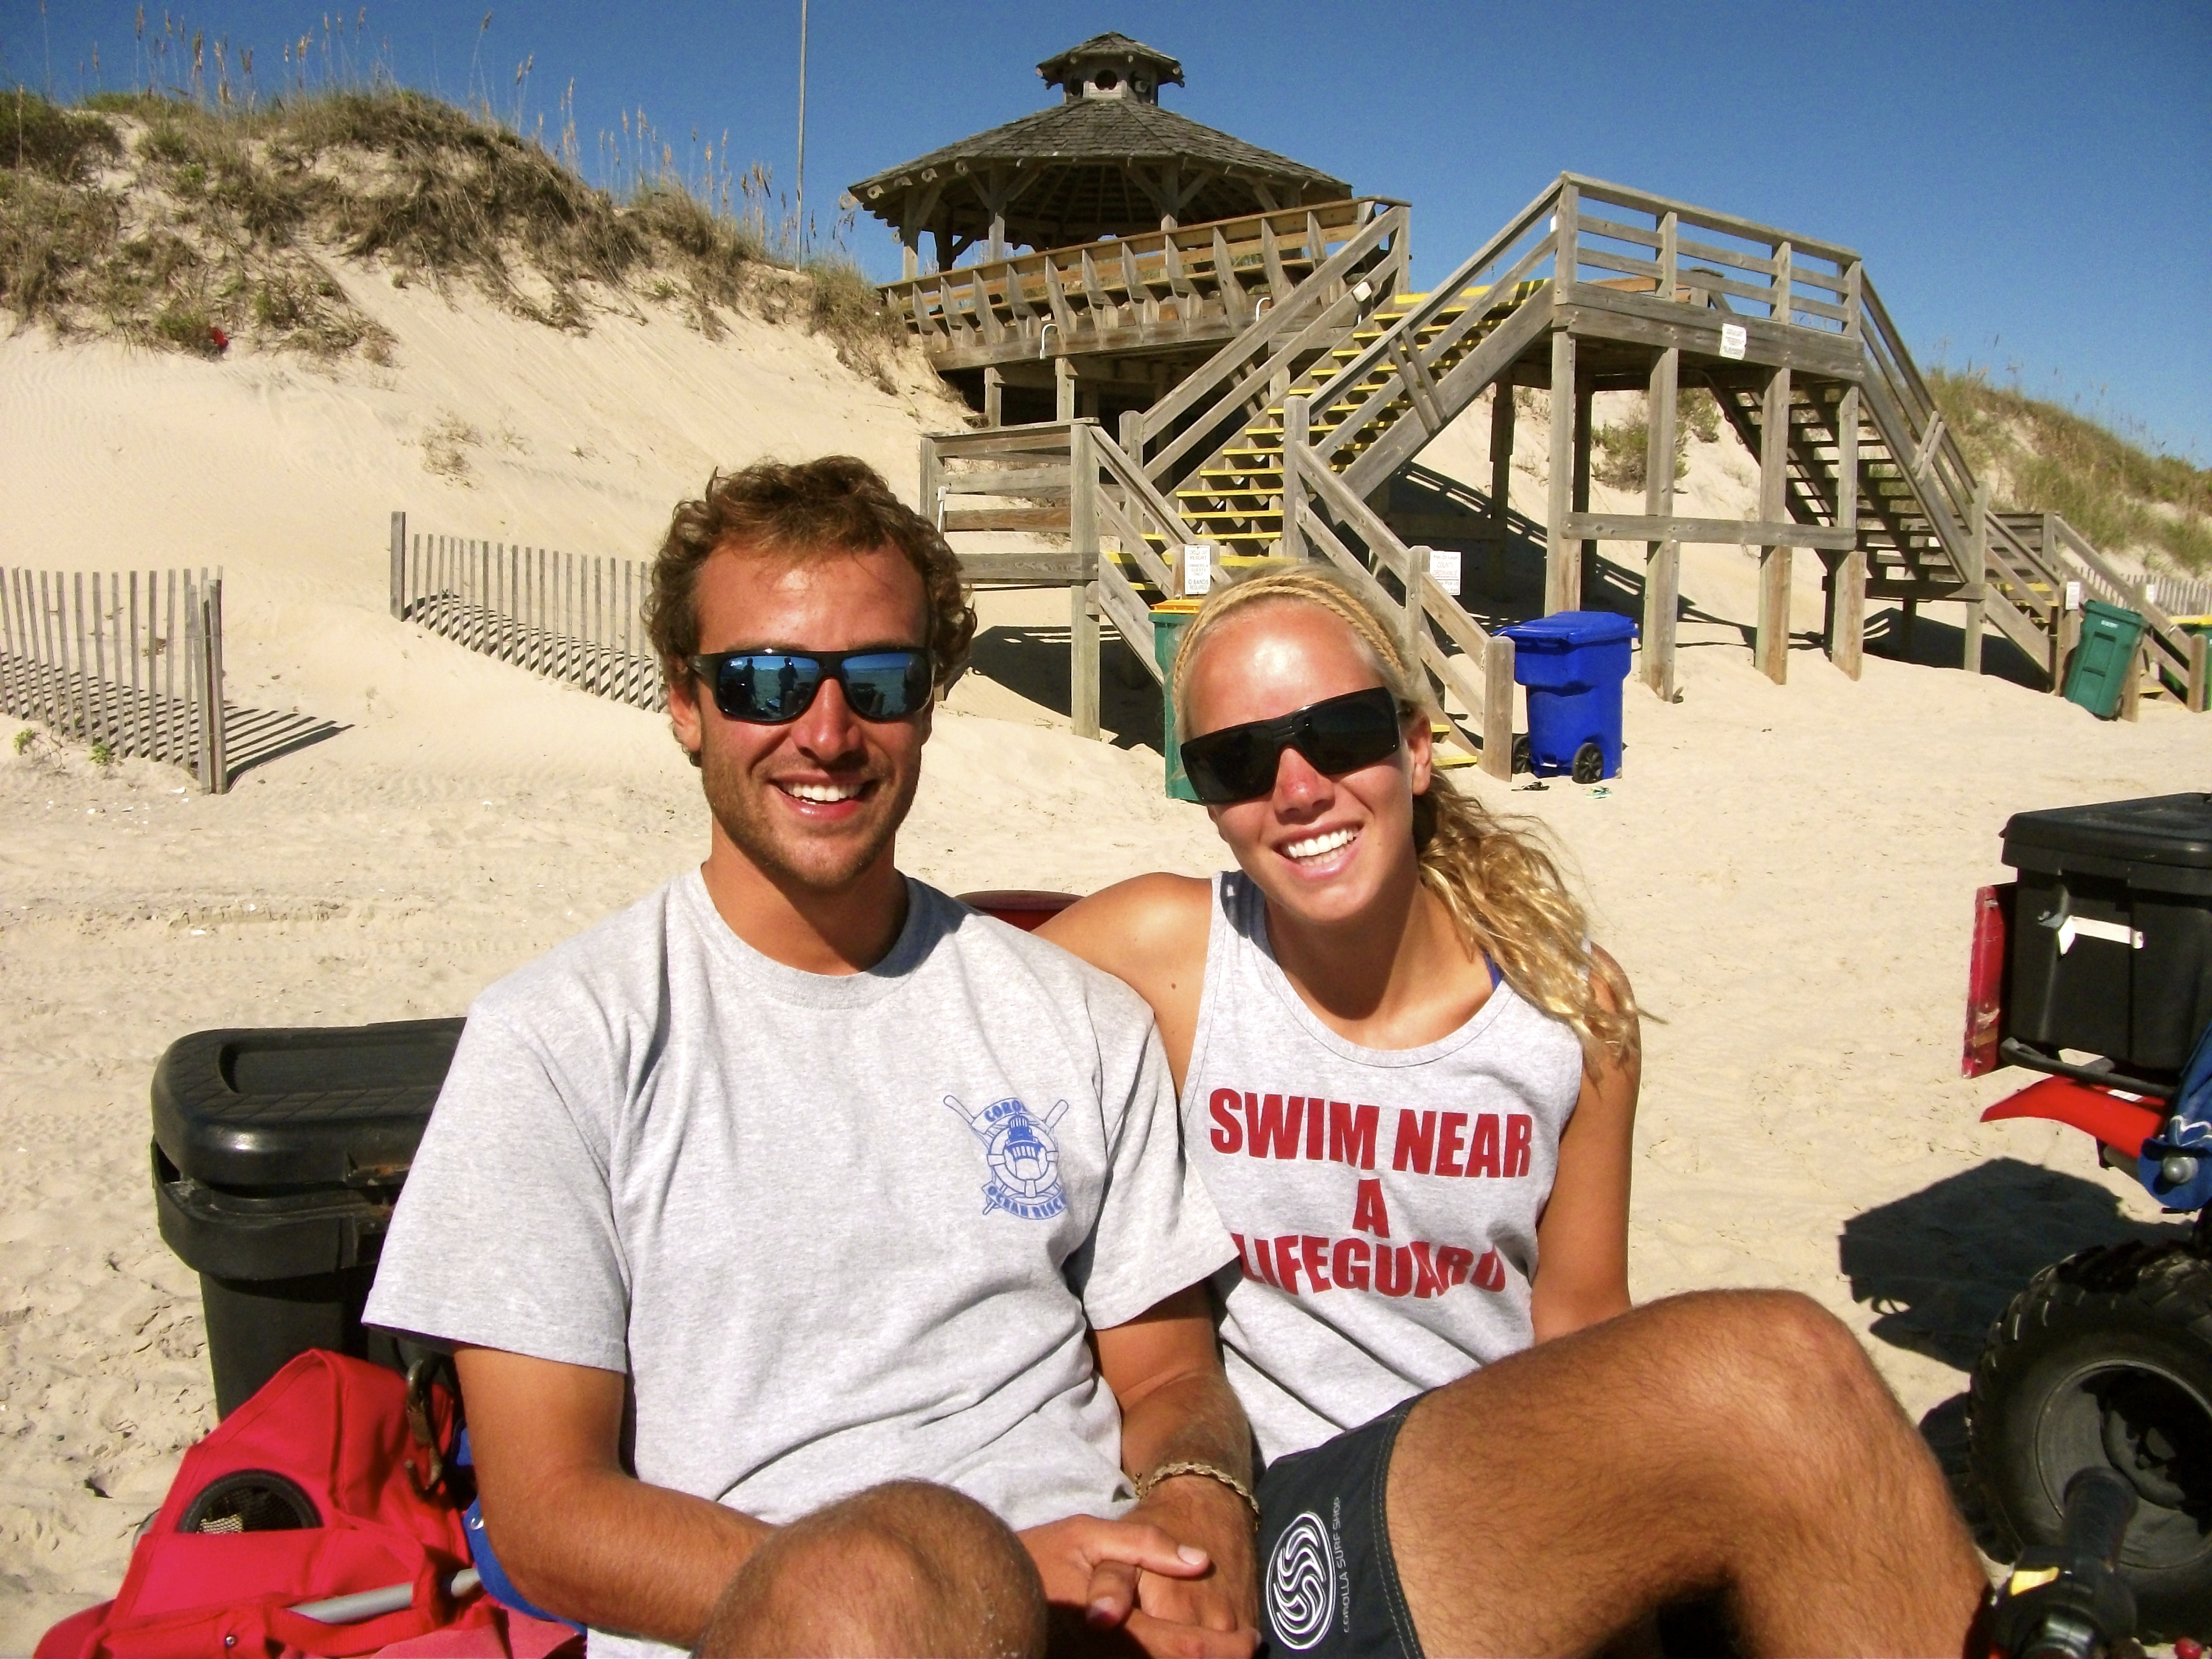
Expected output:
(1235, 498)
(1281, 440)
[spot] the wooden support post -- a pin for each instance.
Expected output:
(1586, 555)
(1083, 660)
(1662, 559)
(909, 262)
(1566, 259)
(1911, 626)
(1063, 389)
(1412, 619)
(1082, 617)
(1847, 636)
(1562, 557)
(926, 502)
(398, 564)
(1977, 576)
(1297, 430)
(2131, 687)
(2200, 681)
(993, 390)
(1847, 596)
(1501, 481)
(1497, 707)
(1770, 648)
(1132, 436)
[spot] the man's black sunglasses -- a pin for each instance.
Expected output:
(1339, 734)
(774, 688)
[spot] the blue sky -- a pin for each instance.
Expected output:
(2028, 183)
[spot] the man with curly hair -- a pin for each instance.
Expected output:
(808, 1243)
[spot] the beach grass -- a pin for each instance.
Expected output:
(179, 223)
(2119, 493)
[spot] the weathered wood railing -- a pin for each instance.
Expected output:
(1480, 676)
(136, 669)
(569, 617)
(1063, 478)
(1257, 367)
(1782, 276)
(1199, 280)
(2173, 655)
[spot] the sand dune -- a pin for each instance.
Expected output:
(1785, 872)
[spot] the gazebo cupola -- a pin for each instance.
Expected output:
(1106, 161)
(1110, 66)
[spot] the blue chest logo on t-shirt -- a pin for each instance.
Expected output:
(1024, 1159)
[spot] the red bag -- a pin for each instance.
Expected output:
(337, 1429)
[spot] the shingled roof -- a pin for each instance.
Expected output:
(1104, 162)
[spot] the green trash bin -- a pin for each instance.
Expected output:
(2110, 638)
(1169, 618)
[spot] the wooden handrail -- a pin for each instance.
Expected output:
(1947, 475)
(1169, 525)
(1230, 367)
(1728, 224)
(1021, 278)
(2170, 640)
(1445, 294)
(1490, 656)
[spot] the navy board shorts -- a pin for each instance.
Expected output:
(1329, 1580)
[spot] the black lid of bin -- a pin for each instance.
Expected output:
(2134, 840)
(258, 1111)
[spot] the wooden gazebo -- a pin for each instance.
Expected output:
(1106, 160)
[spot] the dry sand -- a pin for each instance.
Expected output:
(1786, 872)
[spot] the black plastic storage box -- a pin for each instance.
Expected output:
(2111, 935)
(278, 1158)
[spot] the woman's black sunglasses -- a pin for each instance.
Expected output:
(774, 688)
(1339, 734)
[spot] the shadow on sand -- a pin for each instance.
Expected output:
(1940, 645)
(1032, 662)
(1938, 1267)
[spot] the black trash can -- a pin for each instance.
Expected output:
(278, 1158)
(2112, 935)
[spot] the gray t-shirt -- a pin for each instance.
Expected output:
(837, 1229)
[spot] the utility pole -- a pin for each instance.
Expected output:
(802, 128)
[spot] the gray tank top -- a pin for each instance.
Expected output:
(1384, 1201)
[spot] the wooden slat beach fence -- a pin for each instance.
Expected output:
(569, 617)
(132, 661)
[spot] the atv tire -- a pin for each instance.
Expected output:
(2107, 1358)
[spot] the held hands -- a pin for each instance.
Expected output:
(1148, 1583)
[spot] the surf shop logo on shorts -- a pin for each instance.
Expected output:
(1301, 1584)
(1023, 1157)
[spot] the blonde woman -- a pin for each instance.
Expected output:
(1409, 1081)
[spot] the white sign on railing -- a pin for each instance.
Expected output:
(1733, 341)
(2073, 596)
(1197, 570)
(1443, 568)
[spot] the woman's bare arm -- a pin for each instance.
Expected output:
(1582, 1244)
(1150, 933)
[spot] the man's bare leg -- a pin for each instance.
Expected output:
(1733, 1441)
(904, 1568)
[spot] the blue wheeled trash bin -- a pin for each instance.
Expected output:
(1573, 663)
